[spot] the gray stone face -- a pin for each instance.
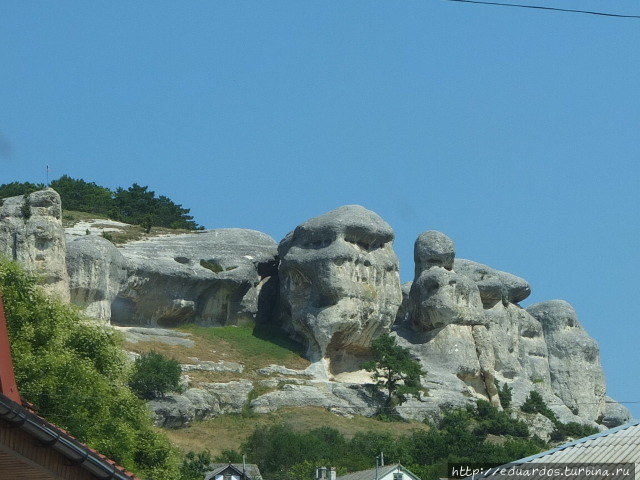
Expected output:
(339, 281)
(574, 358)
(433, 249)
(494, 285)
(440, 297)
(218, 277)
(96, 272)
(31, 233)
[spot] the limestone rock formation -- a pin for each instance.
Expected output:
(339, 398)
(494, 285)
(339, 282)
(615, 413)
(465, 327)
(335, 283)
(96, 272)
(433, 249)
(217, 277)
(574, 358)
(212, 400)
(31, 233)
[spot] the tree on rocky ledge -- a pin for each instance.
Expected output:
(394, 370)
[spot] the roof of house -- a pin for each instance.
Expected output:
(250, 469)
(615, 446)
(371, 473)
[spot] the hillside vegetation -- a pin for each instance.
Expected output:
(75, 373)
(289, 448)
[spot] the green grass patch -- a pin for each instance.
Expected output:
(71, 217)
(254, 345)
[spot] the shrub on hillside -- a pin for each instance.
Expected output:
(535, 404)
(505, 394)
(154, 375)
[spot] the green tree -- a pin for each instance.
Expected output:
(15, 189)
(535, 404)
(75, 372)
(394, 370)
(195, 465)
(505, 394)
(154, 375)
(82, 196)
(139, 205)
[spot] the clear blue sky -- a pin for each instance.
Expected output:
(516, 132)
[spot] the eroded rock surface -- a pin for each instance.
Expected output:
(217, 277)
(494, 285)
(467, 330)
(31, 233)
(96, 273)
(574, 358)
(339, 282)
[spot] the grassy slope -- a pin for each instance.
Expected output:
(128, 234)
(255, 347)
(229, 431)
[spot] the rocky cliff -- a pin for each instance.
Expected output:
(333, 283)
(31, 233)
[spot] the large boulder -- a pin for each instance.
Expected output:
(213, 399)
(31, 233)
(96, 272)
(339, 398)
(433, 249)
(339, 282)
(217, 277)
(615, 413)
(494, 285)
(574, 359)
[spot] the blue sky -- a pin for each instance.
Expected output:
(515, 132)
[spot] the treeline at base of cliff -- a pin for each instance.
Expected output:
(137, 204)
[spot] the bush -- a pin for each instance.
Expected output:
(154, 375)
(535, 404)
(195, 465)
(571, 429)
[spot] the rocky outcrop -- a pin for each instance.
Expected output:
(339, 398)
(96, 273)
(334, 285)
(574, 359)
(208, 401)
(615, 413)
(217, 277)
(433, 249)
(31, 233)
(339, 282)
(467, 330)
(495, 286)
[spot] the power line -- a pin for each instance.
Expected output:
(539, 7)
